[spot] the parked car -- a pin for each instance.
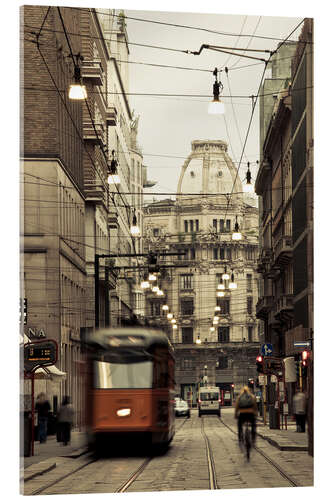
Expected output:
(181, 408)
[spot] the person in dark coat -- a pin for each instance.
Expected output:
(42, 408)
(65, 420)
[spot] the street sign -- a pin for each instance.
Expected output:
(267, 349)
(302, 343)
(40, 353)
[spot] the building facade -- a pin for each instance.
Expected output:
(70, 213)
(285, 188)
(198, 229)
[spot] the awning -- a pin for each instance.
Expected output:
(50, 372)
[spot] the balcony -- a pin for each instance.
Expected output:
(283, 251)
(92, 72)
(265, 260)
(284, 308)
(93, 135)
(94, 192)
(263, 307)
(111, 116)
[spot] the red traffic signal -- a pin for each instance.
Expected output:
(305, 357)
(260, 364)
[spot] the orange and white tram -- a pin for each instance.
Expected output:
(130, 386)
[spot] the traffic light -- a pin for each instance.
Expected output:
(260, 364)
(305, 358)
(251, 383)
(153, 267)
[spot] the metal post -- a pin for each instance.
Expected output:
(265, 400)
(96, 291)
(107, 305)
(32, 414)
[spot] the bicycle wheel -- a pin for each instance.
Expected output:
(247, 443)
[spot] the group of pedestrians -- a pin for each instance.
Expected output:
(65, 418)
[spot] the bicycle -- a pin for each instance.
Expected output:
(247, 439)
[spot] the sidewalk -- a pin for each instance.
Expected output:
(45, 454)
(284, 440)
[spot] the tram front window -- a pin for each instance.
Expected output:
(123, 375)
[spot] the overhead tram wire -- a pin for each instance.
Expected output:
(253, 109)
(249, 42)
(166, 65)
(207, 30)
(70, 116)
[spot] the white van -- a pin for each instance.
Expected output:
(209, 400)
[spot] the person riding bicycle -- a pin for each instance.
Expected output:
(246, 411)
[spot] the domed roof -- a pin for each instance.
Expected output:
(209, 169)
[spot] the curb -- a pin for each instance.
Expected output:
(283, 447)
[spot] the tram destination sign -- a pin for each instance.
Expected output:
(40, 353)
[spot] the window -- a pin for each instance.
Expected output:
(221, 225)
(187, 335)
(186, 281)
(228, 225)
(249, 305)
(215, 224)
(186, 307)
(187, 364)
(222, 363)
(192, 253)
(223, 334)
(224, 304)
(185, 251)
(156, 231)
(229, 253)
(196, 224)
(218, 278)
(250, 333)
(222, 256)
(186, 226)
(249, 282)
(215, 253)
(155, 309)
(191, 226)
(123, 375)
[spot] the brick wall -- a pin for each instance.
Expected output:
(52, 123)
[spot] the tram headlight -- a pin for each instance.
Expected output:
(124, 412)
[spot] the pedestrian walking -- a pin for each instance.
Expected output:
(65, 420)
(299, 402)
(42, 407)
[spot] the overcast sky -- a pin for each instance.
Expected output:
(167, 125)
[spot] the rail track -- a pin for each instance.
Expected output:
(94, 459)
(212, 475)
(266, 457)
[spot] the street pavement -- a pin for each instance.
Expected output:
(46, 454)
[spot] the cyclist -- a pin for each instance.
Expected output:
(246, 411)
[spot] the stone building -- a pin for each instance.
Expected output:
(200, 227)
(70, 212)
(285, 188)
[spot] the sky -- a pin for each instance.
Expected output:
(168, 125)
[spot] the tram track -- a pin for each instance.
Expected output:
(213, 484)
(266, 457)
(121, 489)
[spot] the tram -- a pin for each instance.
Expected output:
(130, 387)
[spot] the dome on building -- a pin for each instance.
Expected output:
(209, 169)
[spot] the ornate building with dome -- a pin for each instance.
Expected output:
(198, 226)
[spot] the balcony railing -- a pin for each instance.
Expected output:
(284, 307)
(264, 305)
(111, 116)
(92, 71)
(94, 135)
(283, 250)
